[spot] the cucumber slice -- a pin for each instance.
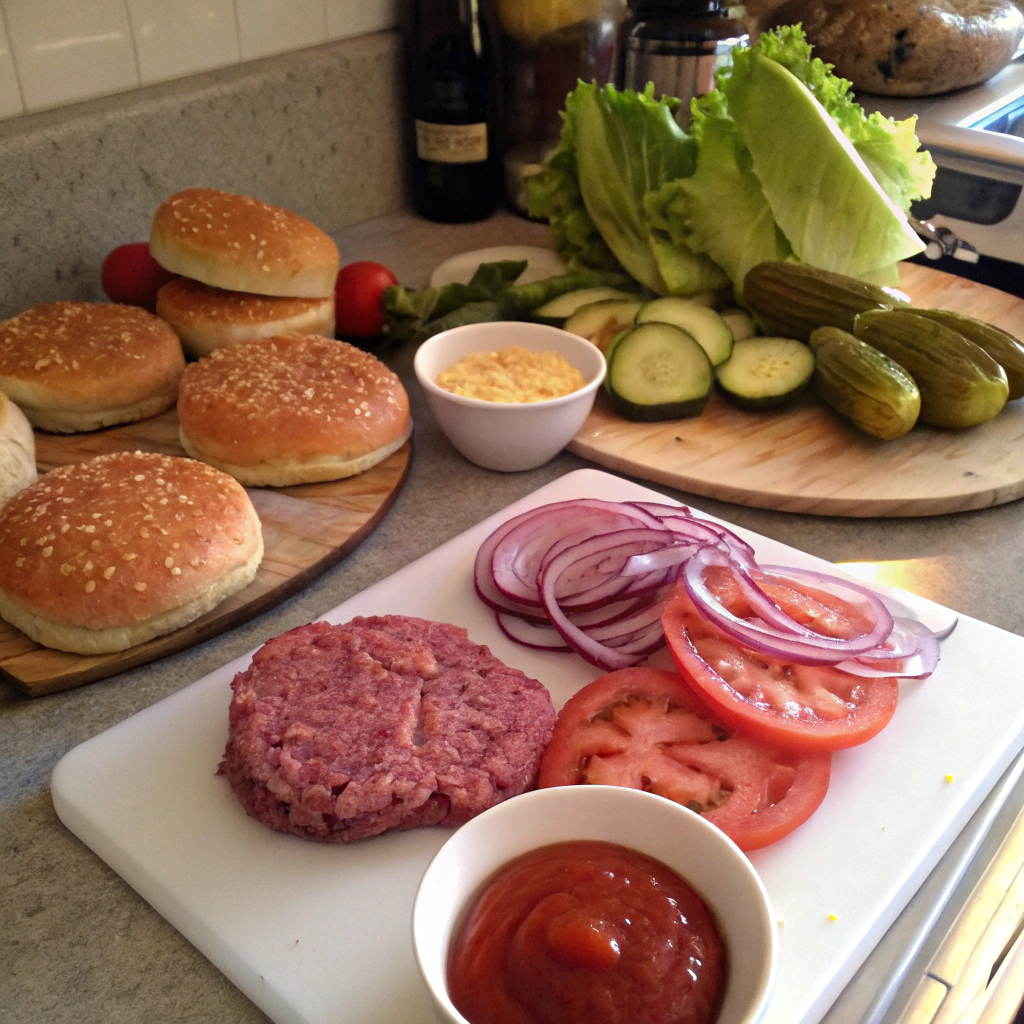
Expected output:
(707, 328)
(610, 349)
(599, 321)
(764, 373)
(560, 308)
(658, 372)
(740, 322)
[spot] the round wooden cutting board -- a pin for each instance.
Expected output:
(806, 459)
(306, 530)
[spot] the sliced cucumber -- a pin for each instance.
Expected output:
(610, 349)
(707, 328)
(560, 308)
(764, 373)
(740, 322)
(599, 321)
(659, 372)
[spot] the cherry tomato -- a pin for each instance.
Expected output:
(801, 707)
(131, 276)
(645, 729)
(357, 295)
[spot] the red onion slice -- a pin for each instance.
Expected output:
(542, 638)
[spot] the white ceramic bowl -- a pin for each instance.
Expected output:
(697, 851)
(508, 436)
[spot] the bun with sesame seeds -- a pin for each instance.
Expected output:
(243, 245)
(104, 555)
(206, 318)
(294, 409)
(76, 366)
(17, 450)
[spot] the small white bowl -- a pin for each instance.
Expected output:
(508, 436)
(697, 851)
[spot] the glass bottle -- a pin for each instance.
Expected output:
(456, 163)
(678, 45)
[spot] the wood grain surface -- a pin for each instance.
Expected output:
(806, 459)
(306, 530)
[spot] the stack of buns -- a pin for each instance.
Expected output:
(250, 270)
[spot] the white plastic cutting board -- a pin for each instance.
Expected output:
(321, 934)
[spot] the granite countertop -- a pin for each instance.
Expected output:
(78, 945)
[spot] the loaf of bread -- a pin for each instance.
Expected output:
(909, 47)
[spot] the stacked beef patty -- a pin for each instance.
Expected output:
(341, 732)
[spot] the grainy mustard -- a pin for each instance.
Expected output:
(512, 375)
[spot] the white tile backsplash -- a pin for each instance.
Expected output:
(61, 51)
(66, 52)
(273, 26)
(174, 38)
(354, 17)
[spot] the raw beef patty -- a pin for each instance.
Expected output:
(341, 732)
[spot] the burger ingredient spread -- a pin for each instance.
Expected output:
(512, 375)
(587, 933)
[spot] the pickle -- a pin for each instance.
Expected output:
(793, 299)
(961, 384)
(1002, 346)
(864, 385)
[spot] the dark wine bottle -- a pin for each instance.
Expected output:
(456, 163)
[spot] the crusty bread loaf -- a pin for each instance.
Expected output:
(206, 318)
(292, 410)
(75, 366)
(909, 47)
(17, 450)
(107, 554)
(243, 245)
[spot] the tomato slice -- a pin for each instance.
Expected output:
(645, 729)
(800, 707)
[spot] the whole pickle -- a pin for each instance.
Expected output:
(864, 385)
(1002, 346)
(961, 384)
(792, 299)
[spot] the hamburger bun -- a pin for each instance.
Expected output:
(17, 450)
(207, 318)
(295, 409)
(75, 366)
(104, 555)
(243, 245)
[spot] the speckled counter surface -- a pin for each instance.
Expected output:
(78, 945)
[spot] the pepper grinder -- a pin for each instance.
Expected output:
(678, 45)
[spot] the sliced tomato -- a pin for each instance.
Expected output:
(645, 729)
(801, 707)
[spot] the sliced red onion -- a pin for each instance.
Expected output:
(803, 650)
(543, 638)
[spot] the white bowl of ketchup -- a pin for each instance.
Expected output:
(682, 841)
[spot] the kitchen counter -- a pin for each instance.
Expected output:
(78, 945)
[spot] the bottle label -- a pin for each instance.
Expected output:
(451, 143)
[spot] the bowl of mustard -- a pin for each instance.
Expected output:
(509, 395)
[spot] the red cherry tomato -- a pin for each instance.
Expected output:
(800, 707)
(357, 295)
(131, 276)
(645, 729)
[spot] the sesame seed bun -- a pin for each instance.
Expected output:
(206, 318)
(75, 366)
(107, 554)
(242, 244)
(17, 450)
(290, 410)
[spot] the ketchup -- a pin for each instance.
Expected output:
(587, 933)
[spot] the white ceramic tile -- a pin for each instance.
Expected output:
(273, 26)
(65, 51)
(180, 37)
(10, 92)
(354, 17)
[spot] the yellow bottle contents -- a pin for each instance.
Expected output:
(512, 375)
(529, 20)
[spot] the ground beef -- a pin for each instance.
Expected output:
(342, 732)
